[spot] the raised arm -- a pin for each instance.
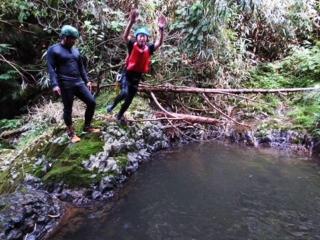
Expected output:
(162, 22)
(133, 17)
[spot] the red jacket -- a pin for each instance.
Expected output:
(139, 59)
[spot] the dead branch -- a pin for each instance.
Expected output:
(186, 117)
(9, 133)
(153, 119)
(182, 89)
(221, 112)
(182, 133)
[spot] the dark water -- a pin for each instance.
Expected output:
(209, 191)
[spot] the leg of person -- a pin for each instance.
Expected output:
(132, 91)
(83, 93)
(122, 95)
(67, 95)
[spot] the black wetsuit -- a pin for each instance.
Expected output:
(67, 71)
(129, 84)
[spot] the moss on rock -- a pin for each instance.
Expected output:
(68, 167)
(122, 160)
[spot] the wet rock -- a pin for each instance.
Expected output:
(123, 151)
(42, 219)
(18, 219)
(66, 197)
(33, 181)
(139, 144)
(15, 235)
(96, 195)
(144, 154)
(106, 184)
(121, 178)
(28, 211)
(112, 164)
(28, 206)
(30, 237)
(132, 157)
(118, 147)
(132, 168)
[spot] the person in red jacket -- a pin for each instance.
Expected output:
(137, 62)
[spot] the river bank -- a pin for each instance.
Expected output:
(52, 173)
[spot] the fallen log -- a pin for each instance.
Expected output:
(182, 89)
(10, 133)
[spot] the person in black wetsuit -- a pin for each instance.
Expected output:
(68, 78)
(137, 62)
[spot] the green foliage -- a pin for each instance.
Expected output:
(31, 136)
(5, 186)
(271, 26)
(10, 88)
(305, 112)
(301, 69)
(104, 98)
(122, 160)
(192, 24)
(5, 48)
(20, 8)
(6, 124)
(107, 96)
(200, 26)
(8, 78)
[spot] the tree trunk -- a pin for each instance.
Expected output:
(181, 89)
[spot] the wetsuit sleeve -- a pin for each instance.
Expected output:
(83, 71)
(151, 48)
(52, 68)
(130, 46)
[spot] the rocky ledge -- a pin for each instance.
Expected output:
(53, 172)
(30, 212)
(57, 173)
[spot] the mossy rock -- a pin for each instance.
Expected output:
(122, 160)
(5, 185)
(5, 145)
(68, 166)
(73, 176)
(54, 150)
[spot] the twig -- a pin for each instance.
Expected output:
(181, 132)
(155, 119)
(12, 65)
(187, 117)
(159, 106)
(221, 112)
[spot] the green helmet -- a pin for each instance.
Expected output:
(69, 31)
(141, 30)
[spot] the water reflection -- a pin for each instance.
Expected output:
(210, 191)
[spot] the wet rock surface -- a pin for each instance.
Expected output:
(292, 141)
(29, 213)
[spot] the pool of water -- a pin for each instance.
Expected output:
(209, 191)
